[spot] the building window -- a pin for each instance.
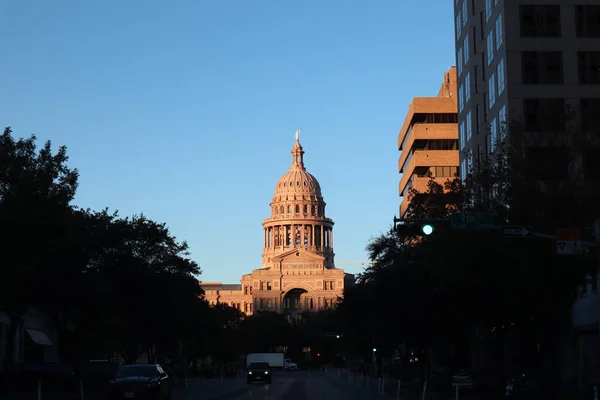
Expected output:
(590, 118)
(545, 115)
(502, 122)
(492, 91)
(493, 136)
(540, 20)
(490, 47)
(268, 285)
(461, 135)
(465, 13)
(500, 73)
(499, 32)
(459, 61)
(458, 25)
(469, 126)
(488, 9)
(587, 21)
(589, 67)
(469, 158)
(467, 87)
(542, 67)
(463, 170)
(466, 49)
(461, 98)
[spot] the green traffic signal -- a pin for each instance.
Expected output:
(427, 229)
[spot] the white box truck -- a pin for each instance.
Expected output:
(275, 360)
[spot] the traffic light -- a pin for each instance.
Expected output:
(408, 229)
(337, 336)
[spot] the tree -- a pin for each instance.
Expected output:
(141, 279)
(36, 190)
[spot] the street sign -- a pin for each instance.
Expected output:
(516, 231)
(472, 221)
(568, 248)
(568, 235)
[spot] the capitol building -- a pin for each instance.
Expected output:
(298, 271)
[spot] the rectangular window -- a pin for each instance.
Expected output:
(493, 135)
(475, 79)
(268, 285)
(469, 126)
(461, 135)
(587, 21)
(467, 87)
(540, 20)
(465, 13)
(492, 91)
(499, 32)
(588, 63)
(542, 67)
(488, 9)
(469, 157)
(459, 61)
(461, 98)
(500, 73)
(490, 47)
(545, 115)
(458, 25)
(502, 122)
(466, 49)
(463, 170)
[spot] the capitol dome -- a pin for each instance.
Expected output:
(297, 181)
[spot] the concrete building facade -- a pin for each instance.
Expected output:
(298, 271)
(428, 141)
(527, 61)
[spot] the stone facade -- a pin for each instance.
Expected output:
(298, 272)
(428, 141)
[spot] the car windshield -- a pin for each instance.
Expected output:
(259, 365)
(147, 371)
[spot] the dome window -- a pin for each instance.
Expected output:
(297, 209)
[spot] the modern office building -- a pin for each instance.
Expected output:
(527, 61)
(428, 141)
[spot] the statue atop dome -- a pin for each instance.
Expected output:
(298, 134)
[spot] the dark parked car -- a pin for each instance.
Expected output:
(141, 381)
(259, 372)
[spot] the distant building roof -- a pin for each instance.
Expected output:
(220, 286)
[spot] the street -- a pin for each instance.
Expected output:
(302, 385)
(286, 385)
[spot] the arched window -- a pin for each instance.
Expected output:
(312, 210)
(281, 210)
(305, 209)
(289, 209)
(297, 209)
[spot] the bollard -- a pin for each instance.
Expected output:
(39, 391)
(378, 385)
(424, 390)
(80, 389)
(187, 383)
(595, 392)
(221, 376)
(382, 385)
(398, 389)
(457, 392)
(367, 384)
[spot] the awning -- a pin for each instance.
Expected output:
(39, 337)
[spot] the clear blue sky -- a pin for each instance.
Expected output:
(185, 110)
